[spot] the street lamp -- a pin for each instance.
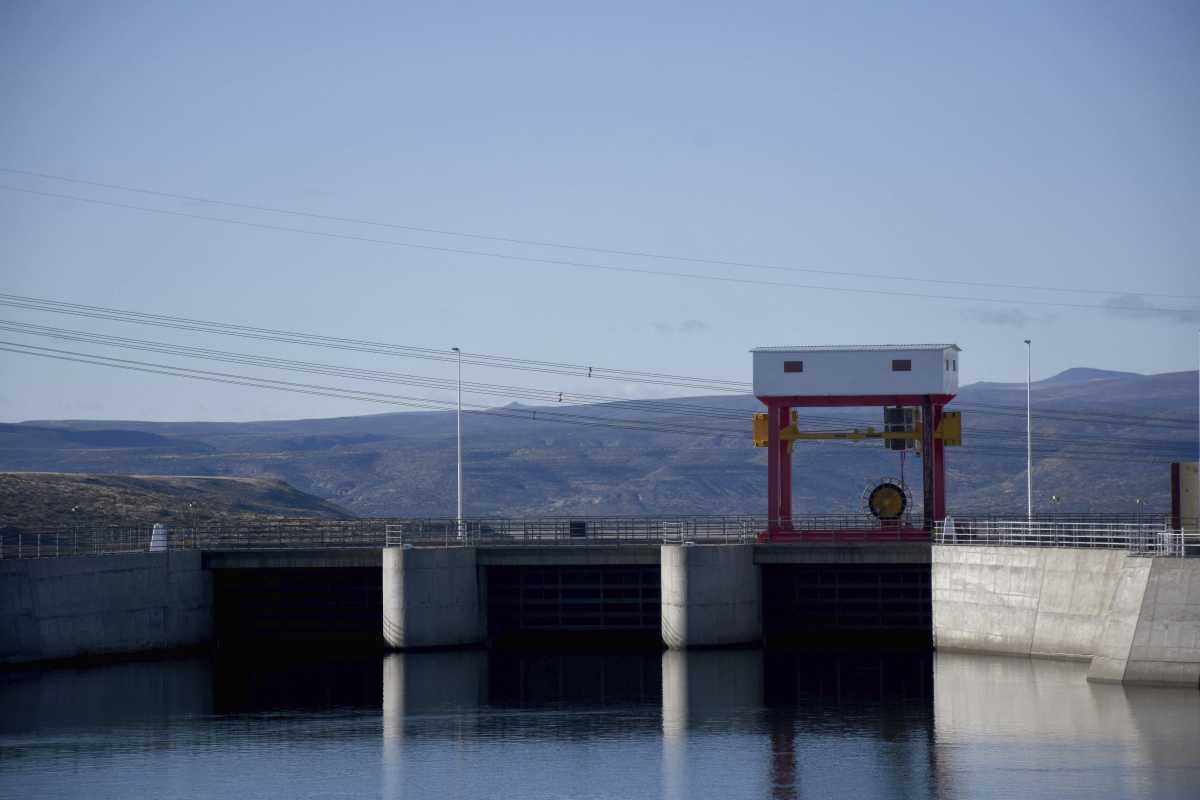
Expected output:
(460, 484)
(1028, 431)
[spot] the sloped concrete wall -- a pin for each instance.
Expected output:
(1022, 600)
(1120, 624)
(431, 597)
(711, 595)
(1136, 619)
(1156, 640)
(95, 605)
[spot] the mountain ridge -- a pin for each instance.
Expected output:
(1102, 440)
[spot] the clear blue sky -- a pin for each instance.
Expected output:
(1045, 143)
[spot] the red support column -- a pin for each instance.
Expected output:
(785, 472)
(773, 444)
(928, 463)
(939, 469)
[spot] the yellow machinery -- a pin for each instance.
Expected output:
(949, 431)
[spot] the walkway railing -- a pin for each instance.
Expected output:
(1148, 538)
(380, 532)
(1140, 538)
(575, 530)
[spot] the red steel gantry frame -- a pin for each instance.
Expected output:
(779, 460)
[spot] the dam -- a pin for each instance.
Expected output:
(1127, 604)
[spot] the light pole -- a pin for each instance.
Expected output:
(460, 486)
(1028, 431)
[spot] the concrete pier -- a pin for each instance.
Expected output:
(431, 597)
(711, 595)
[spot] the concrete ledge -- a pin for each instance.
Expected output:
(567, 555)
(292, 559)
(845, 553)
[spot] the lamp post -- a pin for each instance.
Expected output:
(459, 529)
(1028, 431)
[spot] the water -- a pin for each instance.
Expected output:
(727, 724)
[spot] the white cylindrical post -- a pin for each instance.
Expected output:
(1028, 430)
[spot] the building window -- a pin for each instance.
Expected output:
(947, 365)
(901, 365)
(954, 364)
(793, 366)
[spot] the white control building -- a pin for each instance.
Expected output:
(853, 371)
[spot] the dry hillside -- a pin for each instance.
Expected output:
(40, 499)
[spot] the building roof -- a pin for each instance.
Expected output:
(854, 348)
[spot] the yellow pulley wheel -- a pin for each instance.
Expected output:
(887, 501)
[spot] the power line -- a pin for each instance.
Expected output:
(1096, 449)
(497, 390)
(654, 407)
(602, 267)
(367, 346)
(503, 362)
(336, 392)
(1086, 416)
(580, 248)
(533, 415)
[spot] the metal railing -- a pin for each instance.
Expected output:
(258, 535)
(575, 530)
(1140, 538)
(1154, 538)
(380, 532)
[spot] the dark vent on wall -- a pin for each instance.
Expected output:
(793, 366)
(901, 365)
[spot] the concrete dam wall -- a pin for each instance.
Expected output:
(1136, 619)
(70, 607)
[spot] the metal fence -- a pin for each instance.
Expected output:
(1140, 538)
(272, 535)
(380, 532)
(1144, 537)
(575, 530)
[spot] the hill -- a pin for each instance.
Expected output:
(39, 499)
(1102, 440)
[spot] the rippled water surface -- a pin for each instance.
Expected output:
(479, 724)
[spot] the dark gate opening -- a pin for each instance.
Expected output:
(611, 603)
(257, 608)
(858, 605)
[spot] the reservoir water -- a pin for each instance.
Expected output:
(487, 724)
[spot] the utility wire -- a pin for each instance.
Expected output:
(366, 346)
(538, 414)
(580, 248)
(603, 267)
(503, 362)
(658, 407)
(1097, 447)
(533, 415)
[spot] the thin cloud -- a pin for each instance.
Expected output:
(1132, 306)
(1010, 317)
(689, 327)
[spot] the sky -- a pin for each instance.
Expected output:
(883, 159)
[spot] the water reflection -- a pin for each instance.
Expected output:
(730, 723)
(1040, 722)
